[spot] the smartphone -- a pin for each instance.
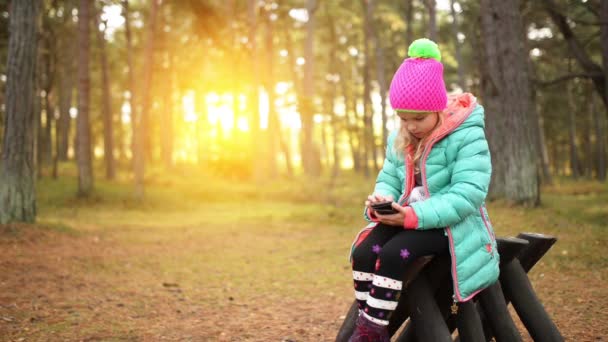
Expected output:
(384, 208)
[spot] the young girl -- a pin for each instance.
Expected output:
(436, 172)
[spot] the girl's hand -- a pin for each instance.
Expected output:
(371, 199)
(393, 219)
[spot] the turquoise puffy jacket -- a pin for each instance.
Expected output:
(456, 169)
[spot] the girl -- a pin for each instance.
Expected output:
(437, 172)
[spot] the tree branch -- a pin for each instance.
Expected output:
(563, 78)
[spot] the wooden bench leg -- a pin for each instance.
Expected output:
(496, 314)
(348, 326)
(469, 323)
(425, 314)
(518, 289)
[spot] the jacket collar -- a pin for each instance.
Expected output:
(458, 109)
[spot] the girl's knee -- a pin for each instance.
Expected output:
(395, 257)
(362, 255)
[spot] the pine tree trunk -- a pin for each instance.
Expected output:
(380, 70)
(574, 158)
(507, 103)
(166, 116)
(66, 67)
(331, 100)
(587, 145)
(46, 81)
(84, 158)
(409, 17)
(17, 173)
(600, 139)
(273, 120)
(350, 103)
(136, 140)
(306, 101)
(258, 162)
(431, 7)
(368, 129)
(459, 60)
(543, 148)
(604, 44)
(106, 103)
(142, 144)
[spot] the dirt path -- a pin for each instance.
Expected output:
(51, 292)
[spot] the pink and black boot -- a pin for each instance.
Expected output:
(368, 331)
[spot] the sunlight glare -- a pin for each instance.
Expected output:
(242, 124)
(219, 110)
(125, 111)
(190, 114)
(112, 14)
(264, 108)
(281, 88)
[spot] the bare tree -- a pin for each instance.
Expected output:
(257, 166)
(84, 161)
(575, 166)
(459, 60)
(431, 7)
(507, 94)
(17, 170)
(136, 140)
(369, 151)
(106, 102)
(600, 139)
(66, 73)
(309, 155)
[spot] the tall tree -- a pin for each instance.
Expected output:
(256, 150)
(431, 7)
(458, 55)
(46, 81)
(575, 166)
(17, 170)
(380, 68)
(66, 67)
(309, 156)
(84, 157)
(269, 82)
(369, 149)
(600, 139)
(507, 102)
(144, 143)
(136, 140)
(604, 44)
(409, 18)
(106, 101)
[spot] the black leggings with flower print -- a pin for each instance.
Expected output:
(380, 261)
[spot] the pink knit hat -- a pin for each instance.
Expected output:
(418, 83)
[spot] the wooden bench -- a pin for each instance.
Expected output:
(424, 309)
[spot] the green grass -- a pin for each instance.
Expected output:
(293, 228)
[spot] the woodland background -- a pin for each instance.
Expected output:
(168, 164)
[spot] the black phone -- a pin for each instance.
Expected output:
(384, 208)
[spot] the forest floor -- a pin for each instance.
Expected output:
(202, 260)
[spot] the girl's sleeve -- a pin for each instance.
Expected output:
(388, 182)
(468, 186)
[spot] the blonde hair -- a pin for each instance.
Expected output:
(405, 138)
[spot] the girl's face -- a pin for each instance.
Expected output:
(419, 124)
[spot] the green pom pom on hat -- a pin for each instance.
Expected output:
(424, 48)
